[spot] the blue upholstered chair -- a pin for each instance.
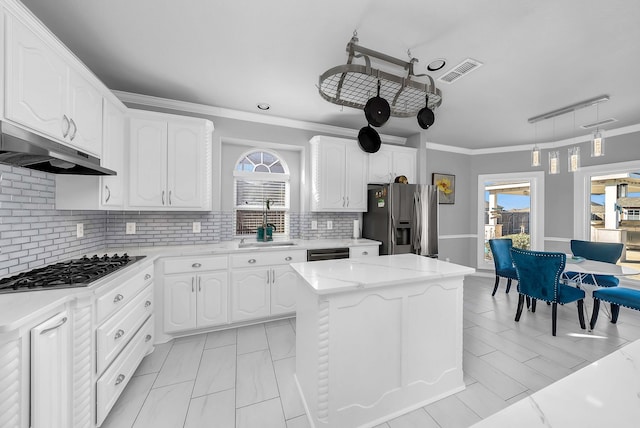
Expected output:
(617, 296)
(501, 250)
(539, 275)
(608, 252)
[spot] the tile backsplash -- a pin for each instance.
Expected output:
(33, 233)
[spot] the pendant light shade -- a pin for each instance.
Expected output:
(554, 162)
(535, 156)
(597, 144)
(573, 162)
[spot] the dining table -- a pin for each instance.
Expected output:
(581, 272)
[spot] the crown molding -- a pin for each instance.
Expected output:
(526, 147)
(184, 106)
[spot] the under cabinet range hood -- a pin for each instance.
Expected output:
(20, 147)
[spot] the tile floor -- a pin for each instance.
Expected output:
(243, 377)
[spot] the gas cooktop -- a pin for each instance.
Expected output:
(72, 273)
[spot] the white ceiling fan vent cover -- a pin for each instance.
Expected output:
(599, 123)
(462, 69)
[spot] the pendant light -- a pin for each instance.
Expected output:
(554, 156)
(573, 159)
(597, 142)
(535, 152)
(554, 162)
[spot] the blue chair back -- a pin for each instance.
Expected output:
(501, 250)
(539, 273)
(608, 252)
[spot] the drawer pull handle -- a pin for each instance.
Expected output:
(288, 258)
(120, 379)
(196, 265)
(252, 261)
(147, 276)
(118, 298)
(147, 338)
(365, 253)
(119, 334)
(147, 303)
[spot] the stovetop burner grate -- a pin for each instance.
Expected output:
(68, 274)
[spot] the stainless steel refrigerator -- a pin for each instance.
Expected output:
(404, 217)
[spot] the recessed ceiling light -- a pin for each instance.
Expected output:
(263, 106)
(436, 64)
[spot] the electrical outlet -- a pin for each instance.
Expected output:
(196, 227)
(314, 224)
(329, 224)
(131, 229)
(79, 230)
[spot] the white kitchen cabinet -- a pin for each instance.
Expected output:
(364, 251)
(338, 175)
(391, 161)
(107, 192)
(284, 281)
(263, 284)
(50, 373)
(195, 293)
(250, 294)
(46, 93)
(170, 162)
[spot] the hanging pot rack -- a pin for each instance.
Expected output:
(353, 84)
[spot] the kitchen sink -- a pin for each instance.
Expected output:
(256, 244)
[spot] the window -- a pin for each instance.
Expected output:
(261, 182)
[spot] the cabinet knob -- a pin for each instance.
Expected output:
(120, 379)
(252, 261)
(365, 253)
(147, 304)
(147, 276)
(147, 338)
(288, 258)
(196, 265)
(118, 298)
(119, 334)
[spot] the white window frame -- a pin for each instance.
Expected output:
(262, 176)
(582, 193)
(536, 219)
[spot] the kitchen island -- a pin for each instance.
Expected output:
(377, 338)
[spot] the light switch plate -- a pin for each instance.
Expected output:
(79, 230)
(314, 224)
(131, 229)
(196, 227)
(329, 224)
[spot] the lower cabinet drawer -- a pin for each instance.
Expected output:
(119, 296)
(114, 334)
(363, 251)
(111, 384)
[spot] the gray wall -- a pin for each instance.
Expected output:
(461, 218)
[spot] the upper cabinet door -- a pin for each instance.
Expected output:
(36, 82)
(356, 178)
(380, 166)
(405, 162)
(186, 163)
(85, 113)
(148, 163)
(114, 133)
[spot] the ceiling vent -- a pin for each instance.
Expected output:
(599, 123)
(462, 69)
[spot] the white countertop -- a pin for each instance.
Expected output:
(603, 394)
(17, 309)
(332, 276)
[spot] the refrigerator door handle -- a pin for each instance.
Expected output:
(416, 222)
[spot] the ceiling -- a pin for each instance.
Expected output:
(538, 55)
